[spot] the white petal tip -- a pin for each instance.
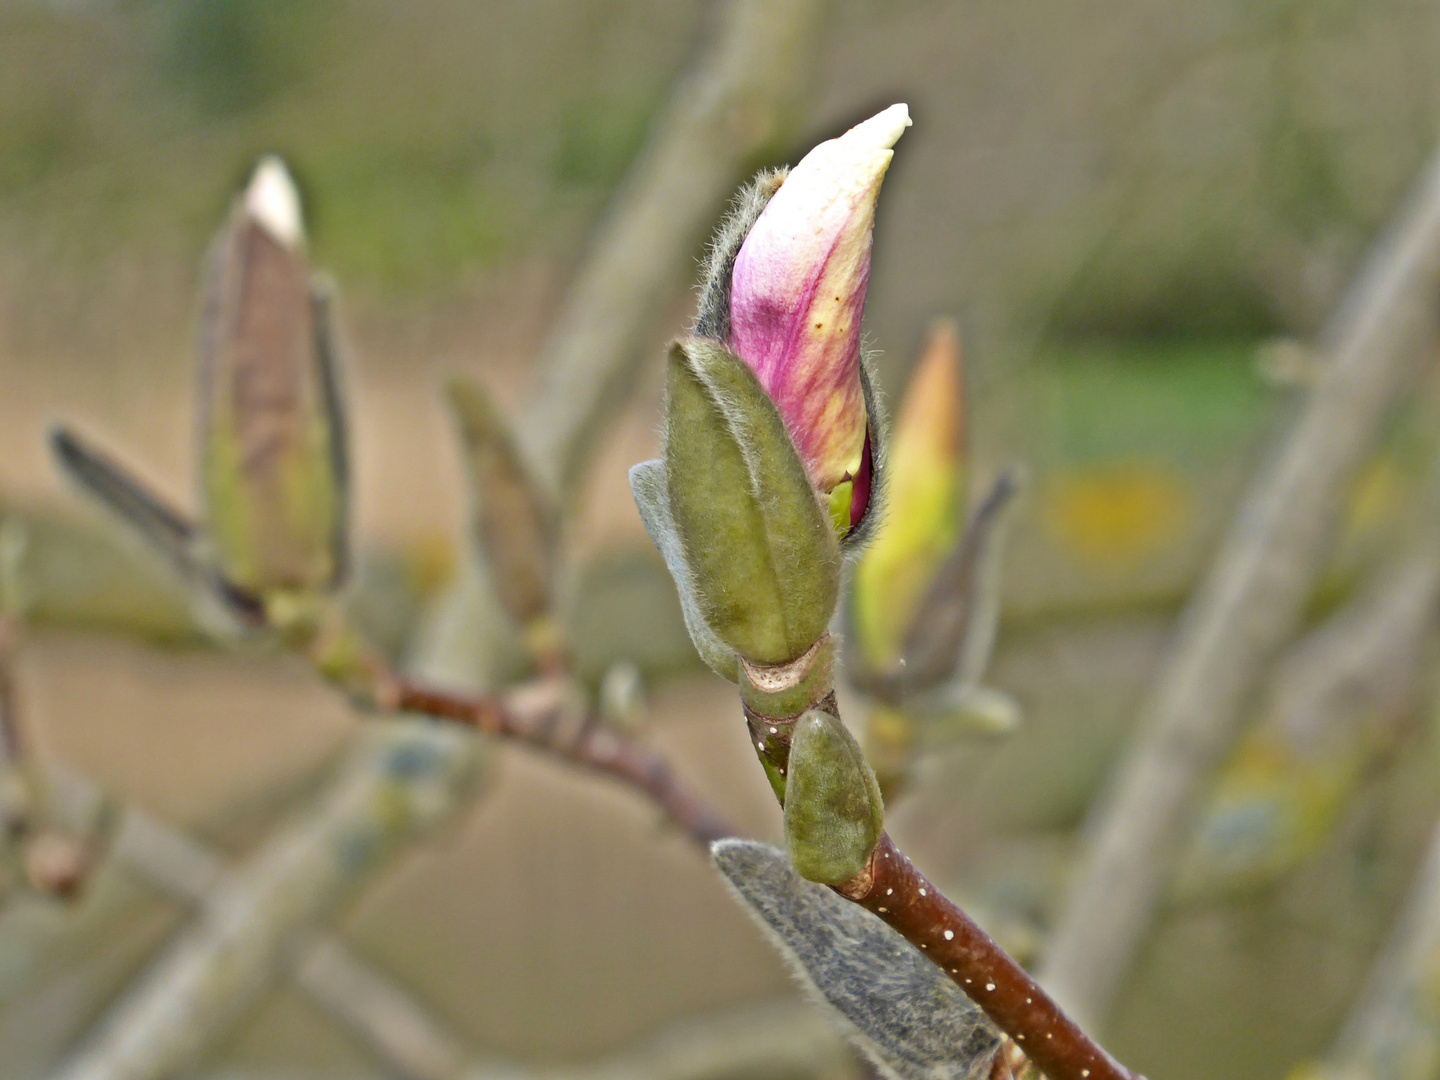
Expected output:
(273, 201)
(883, 129)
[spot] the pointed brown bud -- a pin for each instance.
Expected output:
(271, 441)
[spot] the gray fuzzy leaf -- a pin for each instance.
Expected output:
(911, 1020)
(647, 484)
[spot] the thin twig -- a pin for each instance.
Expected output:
(1251, 602)
(892, 888)
(542, 724)
(781, 1038)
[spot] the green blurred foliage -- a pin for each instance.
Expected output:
(598, 139)
(431, 140)
(1183, 398)
(232, 56)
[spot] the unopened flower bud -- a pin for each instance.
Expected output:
(797, 293)
(271, 438)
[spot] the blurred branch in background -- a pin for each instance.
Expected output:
(399, 781)
(376, 1011)
(1393, 1033)
(739, 99)
(783, 1038)
(1335, 707)
(1250, 603)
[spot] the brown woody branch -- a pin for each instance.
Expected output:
(893, 889)
(544, 721)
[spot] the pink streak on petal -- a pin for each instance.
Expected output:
(798, 293)
(813, 378)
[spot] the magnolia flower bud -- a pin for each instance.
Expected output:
(926, 500)
(769, 406)
(797, 292)
(271, 438)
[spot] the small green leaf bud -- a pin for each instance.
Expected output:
(833, 809)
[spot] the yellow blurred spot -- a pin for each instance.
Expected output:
(1378, 492)
(430, 561)
(1118, 515)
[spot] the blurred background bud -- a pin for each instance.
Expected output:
(272, 453)
(796, 298)
(764, 563)
(514, 523)
(924, 601)
(833, 809)
(953, 631)
(926, 478)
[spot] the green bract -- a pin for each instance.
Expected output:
(513, 524)
(647, 483)
(763, 560)
(833, 810)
